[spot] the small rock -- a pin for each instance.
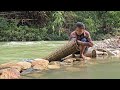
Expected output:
(39, 67)
(76, 62)
(66, 64)
(70, 60)
(10, 74)
(73, 69)
(53, 66)
(54, 63)
(24, 65)
(40, 64)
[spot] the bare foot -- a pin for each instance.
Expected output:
(84, 57)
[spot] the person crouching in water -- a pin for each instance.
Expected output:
(83, 38)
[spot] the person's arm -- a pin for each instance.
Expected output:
(73, 37)
(89, 43)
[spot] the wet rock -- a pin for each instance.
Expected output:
(8, 65)
(53, 66)
(70, 60)
(10, 73)
(40, 64)
(54, 63)
(19, 68)
(18, 65)
(66, 64)
(76, 62)
(24, 65)
(117, 52)
(40, 67)
(27, 71)
(73, 69)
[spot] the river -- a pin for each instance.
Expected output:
(101, 68)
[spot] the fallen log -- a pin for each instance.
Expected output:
(63, 51)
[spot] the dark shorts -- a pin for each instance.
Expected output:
(86, 49)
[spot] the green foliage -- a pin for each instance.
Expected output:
(51, 25)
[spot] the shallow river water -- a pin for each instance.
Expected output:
(100, 68)
(108, 69)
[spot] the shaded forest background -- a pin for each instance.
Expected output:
(56, 25)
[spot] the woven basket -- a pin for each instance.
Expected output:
(63, 51)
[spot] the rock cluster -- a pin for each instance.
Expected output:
(14, 70)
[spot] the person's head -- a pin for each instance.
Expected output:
(80, 27)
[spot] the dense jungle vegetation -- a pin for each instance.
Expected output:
(56, 25)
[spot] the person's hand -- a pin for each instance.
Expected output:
(80, 42)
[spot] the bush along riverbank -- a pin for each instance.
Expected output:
(57, 25)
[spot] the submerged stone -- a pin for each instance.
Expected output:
(27, 71)
(73, 69)
(53, 66)
(40, 64)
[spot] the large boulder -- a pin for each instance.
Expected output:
(40, 64)
(17, 65)
(8, 65)
(10, 73)
(19, 68)
(24, 65)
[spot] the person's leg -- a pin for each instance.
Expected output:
(83, 49)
